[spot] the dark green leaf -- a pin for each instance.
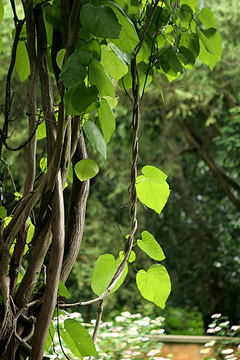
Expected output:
(95, 138)
(82, 98)
(74, 71)
(52, 14)
(100, 21)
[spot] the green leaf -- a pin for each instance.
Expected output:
(95, 138)
(3, 212)
(50, 337)
(150, 246)
(207, 18)
(193, 4)
(113, 63)
(191, 42)
(1, 12)
(43, 164)
(62, 290)
(100, 21)
(128, 37)
(205, 41)
(52, 14)
(83, 97)
(106, 119)
(152, 189)
(131, 258)
(92, 46)
(74, 71)
(78, 339)
(22, 65)
(70, 173)
(154, 285)
(41, 131)
(99, 77)
(60, 57)
(216, 43)
(154, 174)
(104, 269)
(86, 169)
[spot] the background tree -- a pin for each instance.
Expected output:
(68, 54)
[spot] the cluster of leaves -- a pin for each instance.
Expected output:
(229, 347)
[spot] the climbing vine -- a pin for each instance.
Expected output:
(72, 55)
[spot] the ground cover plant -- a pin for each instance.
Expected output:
(69, 56)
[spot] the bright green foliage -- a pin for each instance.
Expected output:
(113, 63)
(154, 285)
(104, 269)
(41, 131)
(86, 169)
(62, 290)
(106, 119)
(152, 189)
(132, 256)
(210, 50)
(43, 164)
(60, 57)
(150, 246)
(77, 339)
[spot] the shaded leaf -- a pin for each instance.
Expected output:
(3, 212)
(100, 21)
(22, 65)
(95, 138)
(83, 97)
(60, 57)
(74, 71)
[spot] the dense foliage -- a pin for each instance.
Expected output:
(70, 56)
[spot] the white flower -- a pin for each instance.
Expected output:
(211, 343)
(216, 316)
(227, 351)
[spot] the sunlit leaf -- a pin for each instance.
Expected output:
(105, 267)
(106, 119)
(207, 18)
(99, 78)
(150, 246)
(154, 285)
(113, 63)
(62, 290)
(22, 65)
(60, 57)
(78, 339)
(216, 43)
(86, 169)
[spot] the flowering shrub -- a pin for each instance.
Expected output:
(229, 347)
(129, 336)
